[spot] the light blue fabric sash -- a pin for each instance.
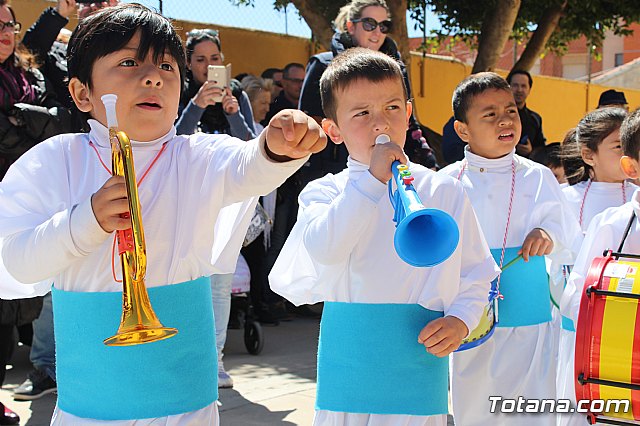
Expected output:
(370, 361)
(567, 324)
(157, 379)
(525, 287)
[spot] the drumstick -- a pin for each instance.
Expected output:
(511, 262)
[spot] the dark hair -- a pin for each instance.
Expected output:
(289, 67)
(270, 72)
(110, 29)
(197, 36)
(354, 64)
(472, 86)
(590, 132)
(630, 135)
(548, 155)
(523, 72)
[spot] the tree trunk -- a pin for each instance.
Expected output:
(399, 34)
(546, 26)
(320, 25)
(494, 33)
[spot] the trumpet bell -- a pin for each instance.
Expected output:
(139, 325)
(426, 237)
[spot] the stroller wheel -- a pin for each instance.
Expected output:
(253, 337)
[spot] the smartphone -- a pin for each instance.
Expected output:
(219, 75)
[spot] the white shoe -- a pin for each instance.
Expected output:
(224, 380)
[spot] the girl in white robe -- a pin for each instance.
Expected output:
(597, 182)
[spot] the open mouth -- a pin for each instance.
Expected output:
(506, 137)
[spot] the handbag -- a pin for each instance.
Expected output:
(259, 222)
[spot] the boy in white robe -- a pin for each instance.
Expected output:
(378, 308)
(605, 232)
(521, 211)
(60, 206)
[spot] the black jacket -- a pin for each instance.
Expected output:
(34, 123)
(40, 39)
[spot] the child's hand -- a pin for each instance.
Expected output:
(443, 335)
(382, 157)
(109, 203)
(292, 134)
(537, 243)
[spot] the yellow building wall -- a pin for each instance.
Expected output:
(561, 103)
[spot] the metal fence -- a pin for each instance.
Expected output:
(261, 16)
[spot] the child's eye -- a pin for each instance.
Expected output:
(128, 63)
(166, 66)
(361, 113)
(393, 107)
(490, 114)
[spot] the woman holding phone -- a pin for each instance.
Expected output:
(200, 106)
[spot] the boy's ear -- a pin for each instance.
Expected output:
(587, 156)
(409, 111)
(331, 129)
(80, 95)
(629, 167)
(462, 130)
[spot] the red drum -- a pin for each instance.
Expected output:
(607, 358)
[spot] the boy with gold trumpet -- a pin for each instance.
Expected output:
(60, 206)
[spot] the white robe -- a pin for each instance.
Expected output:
(601, 195)
(605, 231)
(515, 361)
(49, 233)
(341, 249)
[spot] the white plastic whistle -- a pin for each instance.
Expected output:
(109, 102)
(382, 139)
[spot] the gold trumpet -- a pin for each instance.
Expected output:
(139, 323)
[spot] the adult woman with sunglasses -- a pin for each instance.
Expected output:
(199, 109)
(362, 23)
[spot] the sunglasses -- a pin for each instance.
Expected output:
(13, 27)
(206, 31)
(370, 24)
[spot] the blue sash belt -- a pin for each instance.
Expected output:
(158, 379)
(525, 287)
(370, 361)
(567, 324)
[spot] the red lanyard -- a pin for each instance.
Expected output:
(586, 191)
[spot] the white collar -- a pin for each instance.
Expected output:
(99, 135)
(477, 163)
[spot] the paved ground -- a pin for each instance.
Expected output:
(276, 387)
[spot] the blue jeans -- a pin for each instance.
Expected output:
(221, 297)
(43, 346)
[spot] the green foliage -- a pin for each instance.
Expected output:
(590, 18)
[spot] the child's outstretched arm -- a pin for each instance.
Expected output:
(443, 335)
(292, 134)
(537, 243)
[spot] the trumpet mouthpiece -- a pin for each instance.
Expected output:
(382, 139)
(109, 102)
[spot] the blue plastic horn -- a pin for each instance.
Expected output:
(424, 237)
